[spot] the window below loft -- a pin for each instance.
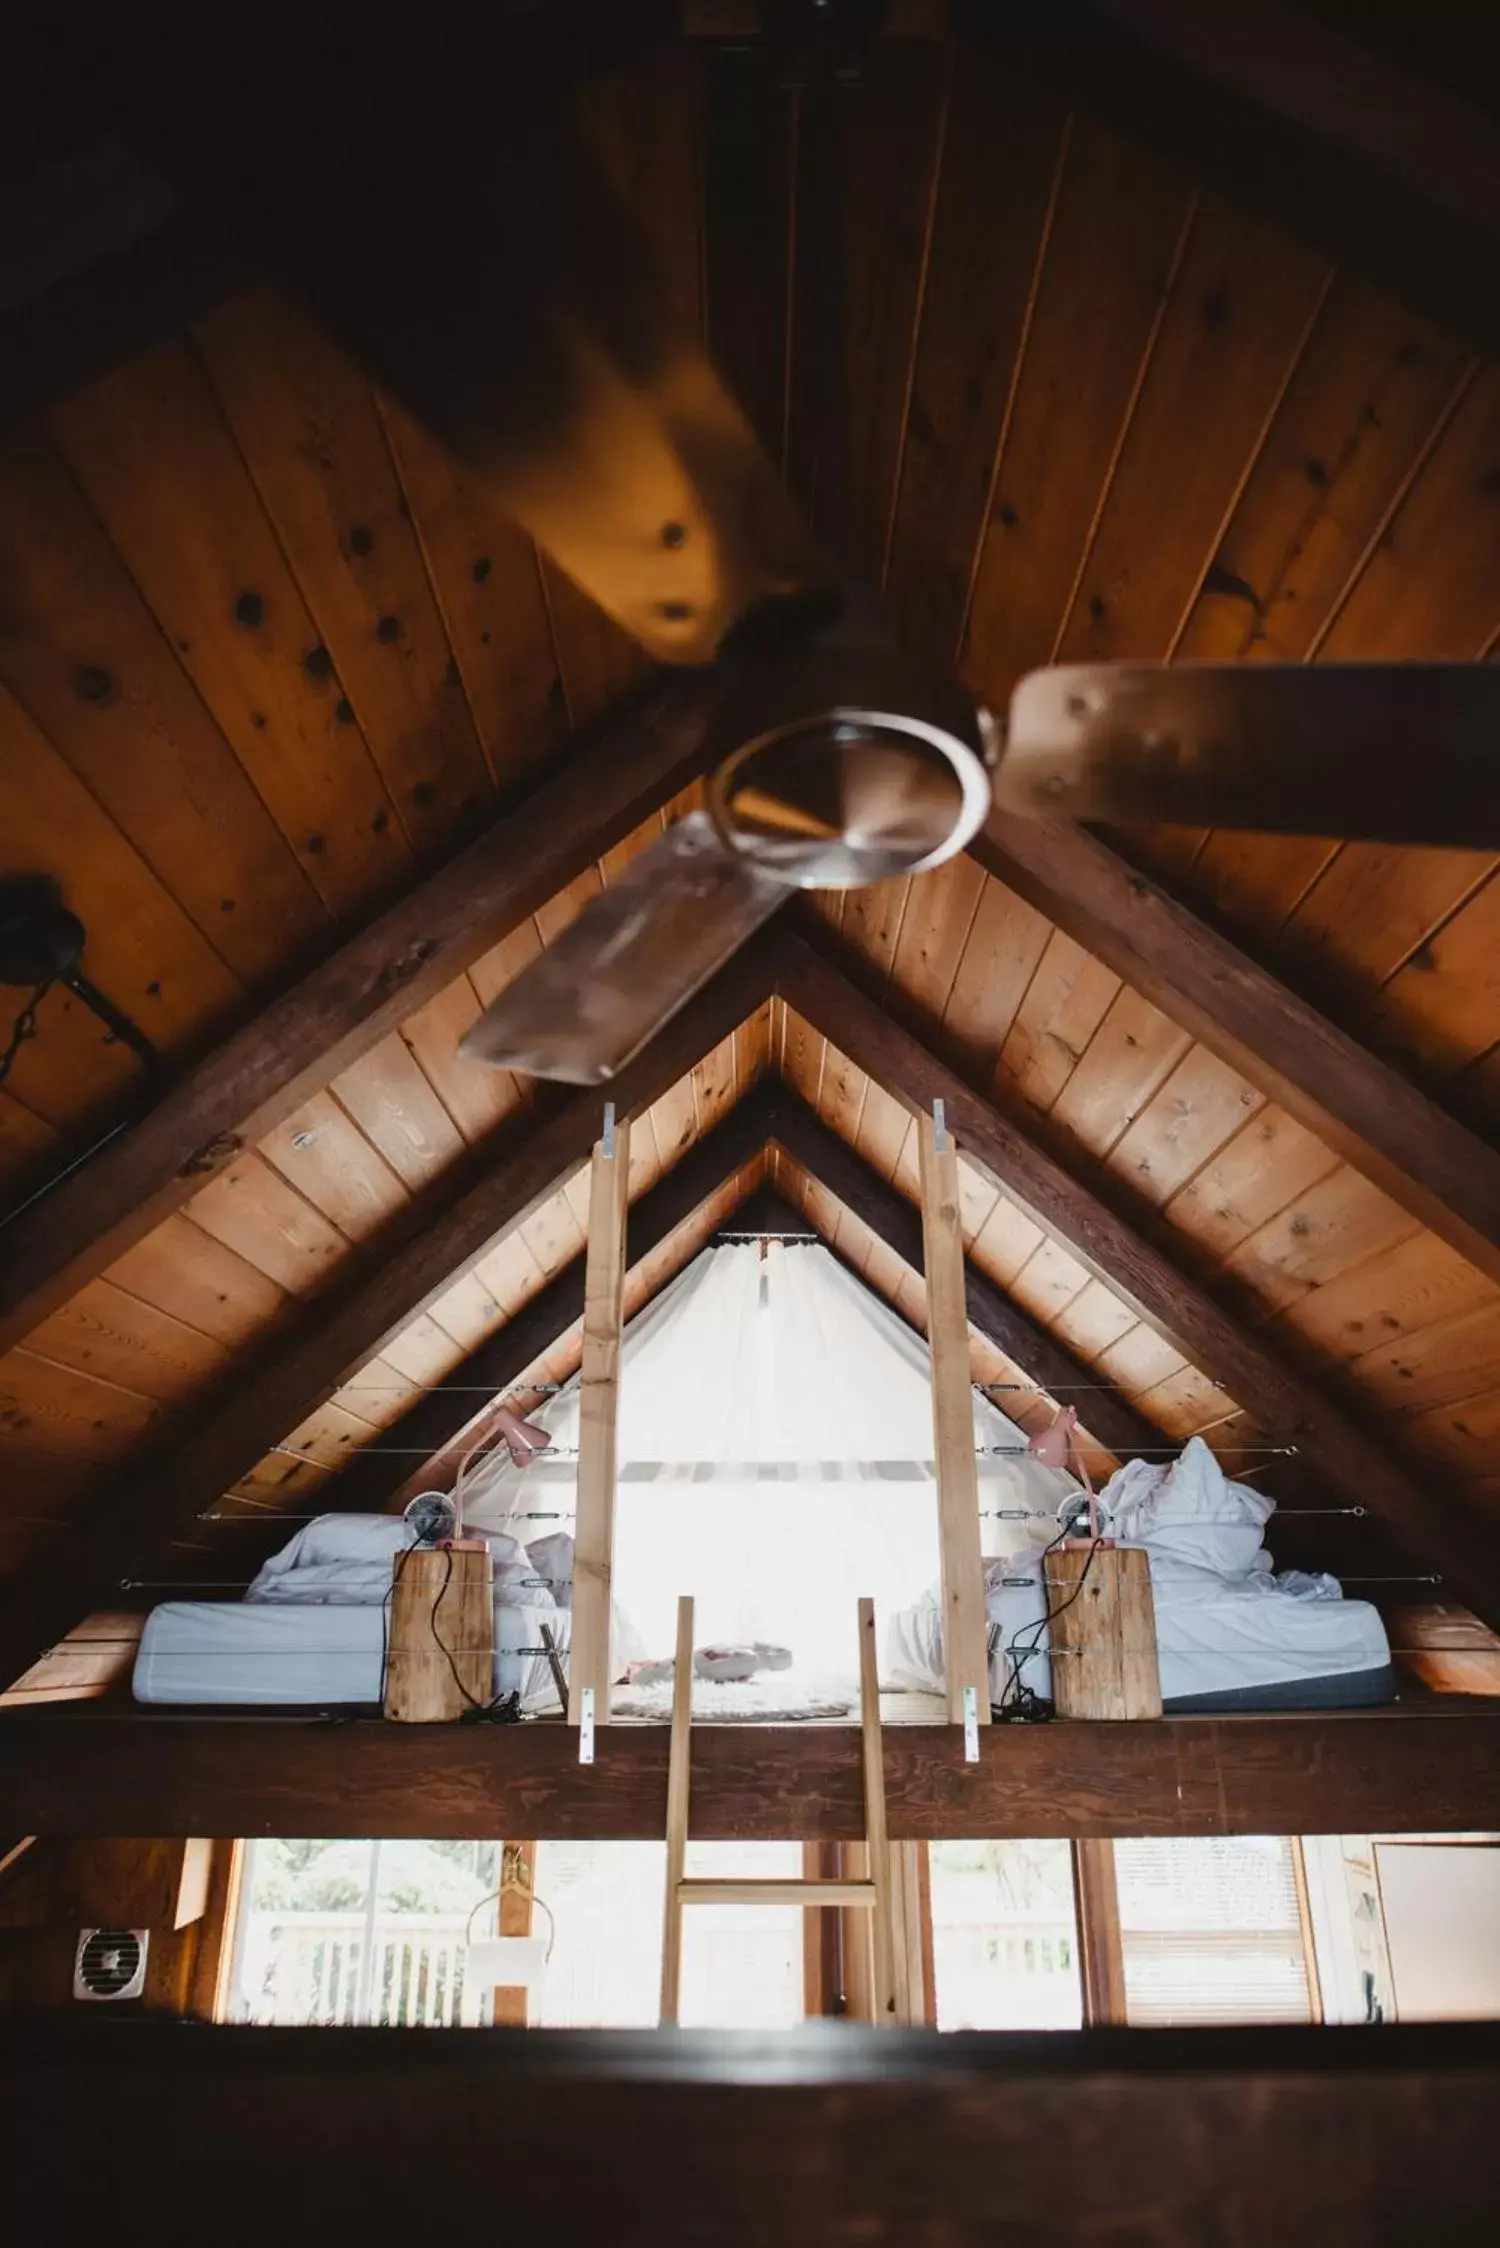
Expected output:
(344, 1932)
(340, 1932)
(1004, 1935)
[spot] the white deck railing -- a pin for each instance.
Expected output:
(337, 1967)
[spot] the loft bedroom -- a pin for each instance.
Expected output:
(390, 568)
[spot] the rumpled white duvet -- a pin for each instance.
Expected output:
(1225, 1623)
(312, 1625)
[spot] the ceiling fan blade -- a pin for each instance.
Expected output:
(443, 219)
(634, 955)
(1397, 753)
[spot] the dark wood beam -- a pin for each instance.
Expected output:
(253, 1081)
(372, 1479)
(381, 1289)
(831, 2131)
(1304, 1536)
(79, 1769)
(1425, 1512)
(826, 1158)
(1345, 95)
(1318, 158)
(1426, 1161)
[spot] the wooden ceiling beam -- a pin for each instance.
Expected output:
(372, 1479)
(1400, 188)
(1431, 1519)
(1339, 90)
(380, 1290)
(830, 2131)
(1427, 1162)
(834, 1165)
(80, 1770)
(615, 778)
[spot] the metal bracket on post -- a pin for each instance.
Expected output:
(939, 1126)
(586, 1726)
(971, 1725)
(609, 1131)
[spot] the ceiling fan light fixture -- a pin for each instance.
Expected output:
(848, 797)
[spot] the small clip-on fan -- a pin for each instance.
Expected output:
(433, 1516)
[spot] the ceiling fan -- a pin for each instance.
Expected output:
(444, 223)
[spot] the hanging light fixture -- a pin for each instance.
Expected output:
(41, 945)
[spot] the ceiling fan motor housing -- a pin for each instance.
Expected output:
(841, 765)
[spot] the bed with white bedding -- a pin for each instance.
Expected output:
(228, 1651)
(311, 1629)
(1230, 1634)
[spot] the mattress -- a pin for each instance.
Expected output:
(1236, 1646)
(203, 1651)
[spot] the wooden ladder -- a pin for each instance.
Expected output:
(872, 1895)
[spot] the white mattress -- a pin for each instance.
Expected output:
(1213, 1637)
(204, 1651)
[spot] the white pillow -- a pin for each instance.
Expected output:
(551, 1558)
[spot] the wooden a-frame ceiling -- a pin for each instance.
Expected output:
(268, 658)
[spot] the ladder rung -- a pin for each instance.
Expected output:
(776, 1892)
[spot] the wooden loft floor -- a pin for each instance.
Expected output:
(90, 1769)
(268, 657)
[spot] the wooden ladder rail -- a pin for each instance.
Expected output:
(872, 1895)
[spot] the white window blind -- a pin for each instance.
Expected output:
(1212, 1931)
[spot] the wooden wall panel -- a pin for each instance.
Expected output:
(250, 1209)
(105, 1332)
(1369, 393)
(486, 580)
(1003, 146)
(143, 950)
(28, 1149)
(1116, 237)
(81, 652)
(1241, 303)
(183, 1269)
(321, 1152)
(1345, 919)
(1068, 997)
(218, 583)
(867, 169)
(56, 1408)
(304, 417)
(748, 152)
(643, 128)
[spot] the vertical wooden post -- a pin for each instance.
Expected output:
(599, 1398)
(210, 1995)
(679, 1781)
(1100, 1949)
(823, 1989)
(964, 1634)
(1102, 1631)
(884, 2005)
(908, 1904)
(515, 1916)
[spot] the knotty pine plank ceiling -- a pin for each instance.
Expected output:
(264, 648)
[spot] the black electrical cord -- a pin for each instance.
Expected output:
(505, 1709)
(1018, 1702)
(501, 1709)
(22, 1028)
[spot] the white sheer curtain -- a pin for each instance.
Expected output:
(775, 1457)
